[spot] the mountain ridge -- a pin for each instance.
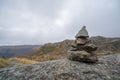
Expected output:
(105, 46)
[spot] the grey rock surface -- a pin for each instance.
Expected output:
(83, 51)
(82, 33)
(108, 68)
(82, 56)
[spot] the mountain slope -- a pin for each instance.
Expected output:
(109, 44)
(59, 50)
(51, 51)
(108, 68)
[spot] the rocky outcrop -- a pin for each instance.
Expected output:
(107, 68)
(83, 50)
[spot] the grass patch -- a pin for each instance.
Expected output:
(4, 62)
(23, 60)
(47, 57)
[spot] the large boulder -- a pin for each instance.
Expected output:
(82, 56)
(90, 47)
(108, 68)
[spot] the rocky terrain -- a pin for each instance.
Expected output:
(107, 68)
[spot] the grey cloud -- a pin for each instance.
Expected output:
(41, 21)
(100, 18)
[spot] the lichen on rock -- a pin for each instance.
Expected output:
(107, 68)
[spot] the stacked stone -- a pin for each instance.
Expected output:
(83, 50)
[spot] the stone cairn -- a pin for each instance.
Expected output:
(83, 50)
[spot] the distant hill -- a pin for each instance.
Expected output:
(106, 44)
(58, 49)
(61, 48)
(20, 50)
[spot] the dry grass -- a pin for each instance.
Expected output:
(103, 53)
(118, 51)
(47, 57)
(4, 62)
(23, 60)
(51, 51)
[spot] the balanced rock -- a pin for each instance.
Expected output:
(90, 47)
(82, 56)
(82, 33)
(83, 50)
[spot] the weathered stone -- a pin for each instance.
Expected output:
(82, 41)
(90, 47)
(82, 33)
(82, 50)
(90, 59)
(86, 47)
(77, 55)
(107, 68)
(73, 49)
(82, 56)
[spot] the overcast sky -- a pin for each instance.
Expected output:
(43, 21)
